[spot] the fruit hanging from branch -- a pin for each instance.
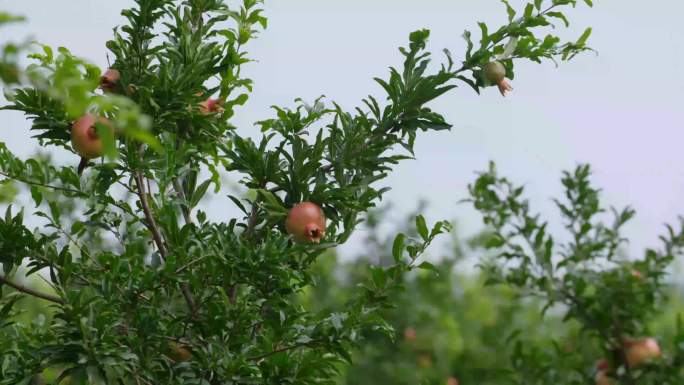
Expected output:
(410, 334)
(109, 81)
(306, 223)
(178, 352)
(495, 74)
(641, 351)
(211, 106)
(85, 140)
(602, 377)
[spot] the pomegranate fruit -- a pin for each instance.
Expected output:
(211, 106)
(452, 381)
(495, 74)
(641, 351)
(602, 365)
(602, 378)
(410, 334)
(110, 80)
(306, 222)
(178, 352)
(84, 138)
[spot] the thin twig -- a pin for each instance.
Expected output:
(28, 290)
(37, 184)
(253, 218)
(181, 194)
(187, 265)
(285, 349)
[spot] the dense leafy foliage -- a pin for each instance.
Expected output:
(584, 274)
(147, 289)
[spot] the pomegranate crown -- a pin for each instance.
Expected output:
(313, 233)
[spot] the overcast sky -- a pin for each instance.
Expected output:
(622, 111)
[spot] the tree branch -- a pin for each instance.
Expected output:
(150, 221)
(37, 184)
(29, 291)
(156, 234)
(253, 218)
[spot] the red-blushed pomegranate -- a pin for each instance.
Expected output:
(602, 378)
(84, 138)
(641, 351)
(410, 334)
(306, 222)
(452, 381)
(110, 80)
(178, 352)
(602, 365)
(211, 106)
(495, 74)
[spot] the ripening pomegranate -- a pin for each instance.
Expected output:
(306, 222)
(495, 73)
(641, 351)
(84, 138)
(603, 368)
(110, 80)
(211, 106)
(410, 334)
(178, 352)
(452, 381)
(602, 378)
(602, 365)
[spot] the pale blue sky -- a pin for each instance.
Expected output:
(622, 110)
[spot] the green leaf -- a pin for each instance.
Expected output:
(428, 266)
(509, 10)
(422, 228)
(529, 10)
(77, 227)
(398, 247)
(585, 36)
(199, 192)
(37, 195)
(494, 241)
(559, 15)
(7, 18)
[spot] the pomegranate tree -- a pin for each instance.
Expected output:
(136, 262)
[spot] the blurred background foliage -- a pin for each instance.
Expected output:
(451, 328)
